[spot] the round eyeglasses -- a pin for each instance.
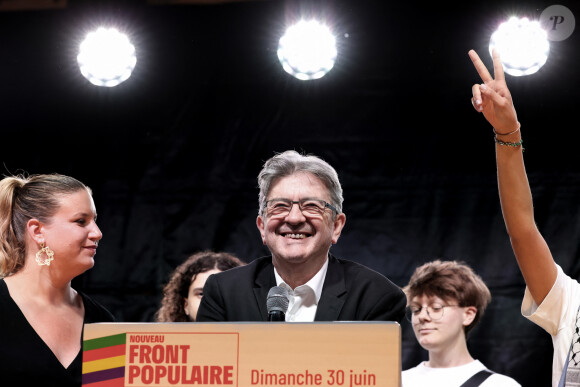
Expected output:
(308, 207)
(434, 311)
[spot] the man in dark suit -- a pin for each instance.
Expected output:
(300, 217)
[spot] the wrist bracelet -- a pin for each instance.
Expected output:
(514, 144)
(507, 134)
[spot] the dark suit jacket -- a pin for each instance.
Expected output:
(351, 292)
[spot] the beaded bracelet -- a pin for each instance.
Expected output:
(514, 144)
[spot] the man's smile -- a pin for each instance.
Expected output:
(295, 235)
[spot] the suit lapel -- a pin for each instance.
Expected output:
(265, 279)
(333, 291)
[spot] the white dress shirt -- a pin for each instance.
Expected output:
(304, 299)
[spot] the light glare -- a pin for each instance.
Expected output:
(106, 57)
(522, 45)
(307, 50)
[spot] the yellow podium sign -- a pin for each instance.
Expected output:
(242, 354)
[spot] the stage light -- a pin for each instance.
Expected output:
(307, 50)
(106, 57)
(522, 44)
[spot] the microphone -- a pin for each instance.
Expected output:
(277, 303)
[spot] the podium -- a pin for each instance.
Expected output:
(263, 354)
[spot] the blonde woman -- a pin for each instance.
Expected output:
(48, 236)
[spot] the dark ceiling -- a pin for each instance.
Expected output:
(402, 69)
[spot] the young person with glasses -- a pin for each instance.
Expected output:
(446, 299)
(299, 218)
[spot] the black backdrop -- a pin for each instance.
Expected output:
(173, 153)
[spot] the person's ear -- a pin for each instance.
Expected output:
(34, 228)
(338, 224)
(261, 227)
(469, 314)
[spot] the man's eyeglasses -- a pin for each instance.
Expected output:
(434, 311)
(309, 207)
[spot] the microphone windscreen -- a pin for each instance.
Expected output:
(277, 299)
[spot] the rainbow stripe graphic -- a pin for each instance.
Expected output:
(104, 361)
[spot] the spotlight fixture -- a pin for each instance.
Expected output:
(522, 44)
(307, 50)
(106, 57)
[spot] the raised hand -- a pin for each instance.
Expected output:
(493, 98)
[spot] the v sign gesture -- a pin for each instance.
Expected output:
(492, 97)
(552, 298)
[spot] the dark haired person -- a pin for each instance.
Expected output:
(183, 292)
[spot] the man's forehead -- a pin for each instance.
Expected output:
(298, 182)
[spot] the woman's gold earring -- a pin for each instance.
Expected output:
(46, 251)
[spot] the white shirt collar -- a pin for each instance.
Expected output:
(315, 283)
